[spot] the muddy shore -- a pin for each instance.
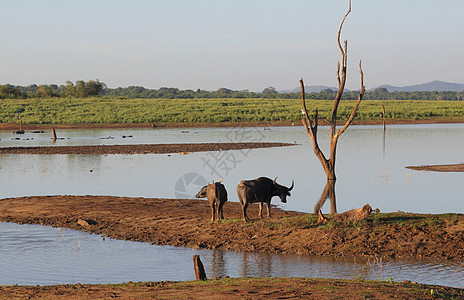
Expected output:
(439, 168)
(238, 288)
(186, 222)
(138, 149)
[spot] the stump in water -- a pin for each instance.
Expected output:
(20, 131)
(54, 134)
(199, 269)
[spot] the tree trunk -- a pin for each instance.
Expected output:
(311, 123)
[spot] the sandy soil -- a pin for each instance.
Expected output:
(439, 168)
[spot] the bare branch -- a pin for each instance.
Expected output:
(342, 81)
(345, 58)
(311, 127)
(340, 30)
(353, 113)
(304, 110)
(316, 119)
(306, 126)
(307, 123)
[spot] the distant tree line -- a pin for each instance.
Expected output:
(94, 88)
(81, 89)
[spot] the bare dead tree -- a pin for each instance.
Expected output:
(311, 123)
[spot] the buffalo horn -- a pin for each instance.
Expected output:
(291, 188)
(275, 180)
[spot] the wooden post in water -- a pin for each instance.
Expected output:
(384, 129)
(383, 115)
(20, 131)
(54, 134)
(199, 269)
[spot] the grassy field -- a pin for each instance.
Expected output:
(111, 110)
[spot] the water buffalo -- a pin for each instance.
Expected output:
(261, 190)
(217, 196)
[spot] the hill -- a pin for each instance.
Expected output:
(431, 86)
(435, 85)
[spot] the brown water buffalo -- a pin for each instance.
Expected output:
(217, 196)
(261, 190)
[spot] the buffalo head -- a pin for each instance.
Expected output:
(282, 191)
(202, 192)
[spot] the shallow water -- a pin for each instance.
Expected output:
(368, 170)
(34, 254)
(366, 173)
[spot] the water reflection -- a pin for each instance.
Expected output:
(33, 254)
(327, 193)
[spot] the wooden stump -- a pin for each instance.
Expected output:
(54, 134)
(199, 269)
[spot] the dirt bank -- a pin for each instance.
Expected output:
(439, 168)
(138, 149)
(242, 288)
(187, 223)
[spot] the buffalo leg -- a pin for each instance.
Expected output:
(244, 208)
(268, 209)
(220, 210)
(261, 210)
(213, 211)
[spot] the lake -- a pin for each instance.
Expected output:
(366, 173)
(370, 169)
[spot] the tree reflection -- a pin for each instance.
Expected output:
(327, 193)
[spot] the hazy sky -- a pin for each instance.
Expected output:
(237, 44)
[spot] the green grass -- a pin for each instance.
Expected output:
(375, 220)
(416, 220)
(111, 110)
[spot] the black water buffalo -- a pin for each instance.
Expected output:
(217, 196)
(261, 190)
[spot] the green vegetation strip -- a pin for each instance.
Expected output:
(111, 110)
